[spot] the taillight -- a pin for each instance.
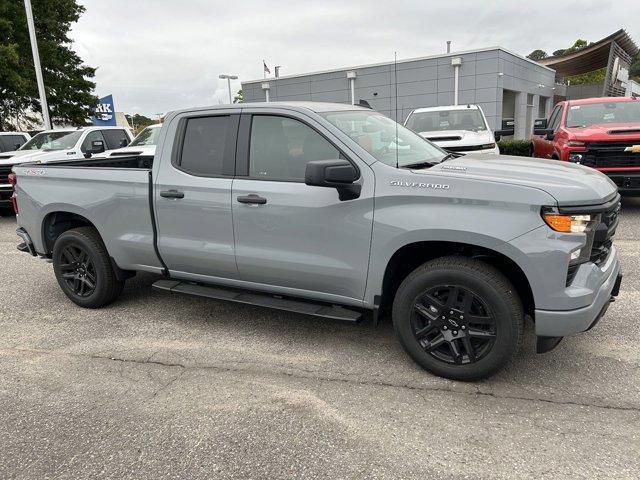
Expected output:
(13, 179)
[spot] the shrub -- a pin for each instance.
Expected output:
(519, 148)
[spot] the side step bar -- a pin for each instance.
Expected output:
(304, 307)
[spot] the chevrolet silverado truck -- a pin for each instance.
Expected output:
(294, 206)
(601, 133)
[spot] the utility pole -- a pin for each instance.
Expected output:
(36, 62)
(229, 78)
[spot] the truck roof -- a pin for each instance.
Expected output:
(318, 107)
(75, 129)
(588, 101)
(446, 107)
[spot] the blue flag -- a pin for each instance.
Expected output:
(105, 115)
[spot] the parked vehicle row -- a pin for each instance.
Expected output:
(336, 211)
(61, 144)
(601, 133)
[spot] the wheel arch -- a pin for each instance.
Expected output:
(410, 256)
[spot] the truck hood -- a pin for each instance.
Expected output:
(568, 183)
(606, 131)
(458, 138)
(144, 150)
(26, 156)
(4, 156)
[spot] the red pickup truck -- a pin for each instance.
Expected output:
(603, 133)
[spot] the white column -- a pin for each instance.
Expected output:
(36, 62)
(520, 116)
(456, 62)
(352, 84)
(266, 87)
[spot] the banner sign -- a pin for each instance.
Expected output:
(105, 115)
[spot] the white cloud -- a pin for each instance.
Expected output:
(159, 55)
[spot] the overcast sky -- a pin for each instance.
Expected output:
(159, 55)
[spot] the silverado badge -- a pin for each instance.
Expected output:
(633, 149)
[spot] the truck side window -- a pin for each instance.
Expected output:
(554, 120)
(204, 145)
(281, 147)
(91, 137)
(115, 139)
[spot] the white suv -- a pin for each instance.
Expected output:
(456, 128)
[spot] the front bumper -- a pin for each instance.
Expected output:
(628, 183)
(560, 323)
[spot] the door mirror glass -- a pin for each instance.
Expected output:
(339, 174)
(97, 146)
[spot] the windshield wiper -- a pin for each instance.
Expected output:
(449, 156)
(419, 165)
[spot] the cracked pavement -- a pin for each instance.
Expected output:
(168, 386)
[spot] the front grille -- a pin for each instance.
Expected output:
(603, 239)
(610, 154)
(466, 148)
(5, 170)
(444, 139)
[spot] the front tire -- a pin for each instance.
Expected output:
(458, 317)
(83, 268)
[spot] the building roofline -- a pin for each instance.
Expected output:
(408, 60)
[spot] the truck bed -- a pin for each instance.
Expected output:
(113, 194)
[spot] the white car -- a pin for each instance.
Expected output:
(456, 128)
(10, 141)
(68, 144)
(144, 144)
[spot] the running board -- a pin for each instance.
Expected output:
(334, 312)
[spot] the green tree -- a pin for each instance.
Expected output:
(139, 122)
(239, 97)
(67, 79)
(537, 55)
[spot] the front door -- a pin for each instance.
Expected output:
(291, 235)
(193, 197)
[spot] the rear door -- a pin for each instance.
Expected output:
(192, 195)
(303, 239)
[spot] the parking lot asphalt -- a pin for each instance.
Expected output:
(167, 386)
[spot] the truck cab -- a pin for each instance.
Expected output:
(10, 141)
(601, 133)
(456, 128)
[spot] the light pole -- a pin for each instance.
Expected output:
(229, 78)
(36, 62)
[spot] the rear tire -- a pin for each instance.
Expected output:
(458, 317)
(83, 268)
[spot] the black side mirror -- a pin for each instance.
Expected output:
(546, 132)
(498, 134)
(540, 124)
(338, 174)
(97, 146)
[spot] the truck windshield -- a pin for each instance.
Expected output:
(440, 120)
(598, 113)
(148, 136)
(377, 135)
(53, 141)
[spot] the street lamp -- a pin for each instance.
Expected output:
(229, 78)
(36, 62)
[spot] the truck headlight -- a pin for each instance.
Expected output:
(584, 224)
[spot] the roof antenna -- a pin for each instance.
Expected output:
(395, 81)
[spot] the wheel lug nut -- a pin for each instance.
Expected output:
(455, 332)
(444, 328)
(463, 327)
(461, 317)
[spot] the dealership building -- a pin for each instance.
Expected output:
(506, 85)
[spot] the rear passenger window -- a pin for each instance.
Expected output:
(204, 144)
(115, 139)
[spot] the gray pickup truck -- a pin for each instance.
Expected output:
(336, 211)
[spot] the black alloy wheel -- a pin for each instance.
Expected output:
(78, 270)
(453, 324)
